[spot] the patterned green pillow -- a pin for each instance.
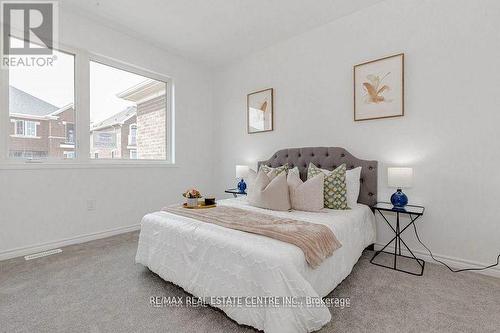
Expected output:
(276, 171)
(335, 190)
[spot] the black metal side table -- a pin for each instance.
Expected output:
(235, 192)
(414, 212)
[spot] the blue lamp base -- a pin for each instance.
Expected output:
(242, 186)
(399, 199)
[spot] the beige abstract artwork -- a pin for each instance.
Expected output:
(379, 88)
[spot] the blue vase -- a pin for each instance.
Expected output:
(399, 199)
(242, 186)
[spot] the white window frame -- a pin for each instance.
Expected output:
(24, 125)
(169, 123)
(82, 117)
(13, 163)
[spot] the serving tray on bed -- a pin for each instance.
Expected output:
(201, 205)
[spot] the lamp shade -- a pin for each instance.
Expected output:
(241, 171)
(400, 177)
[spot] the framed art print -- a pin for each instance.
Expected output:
(260, 111)
(379, 88)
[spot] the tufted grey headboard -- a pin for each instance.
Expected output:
(329, 158)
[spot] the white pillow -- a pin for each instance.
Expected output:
(267, 192)
(306, 196)
(353, 184)
(352, 180)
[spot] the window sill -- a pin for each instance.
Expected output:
(22, 165)
(25, 136)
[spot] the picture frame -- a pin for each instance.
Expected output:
(260, 111)
(379, 88)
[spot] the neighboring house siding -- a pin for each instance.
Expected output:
(151, 129)
(58, 143)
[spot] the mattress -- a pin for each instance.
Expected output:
(210, 261)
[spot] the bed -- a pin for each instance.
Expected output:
(210, 261)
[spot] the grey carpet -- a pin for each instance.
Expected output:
(96, 287)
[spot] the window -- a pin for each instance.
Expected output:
(25, 128)
(127, 116)
(30, 128)
(132, 136)
(19, 128)
(69, 154)
(127, 109)
(70, 133)
(40, 103)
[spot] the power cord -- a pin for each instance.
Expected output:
(451, 269)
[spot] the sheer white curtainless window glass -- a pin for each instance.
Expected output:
(30, 128)
(132, 136)
(19, 127)
(25, 128)
(41, 109)
(128, 114)
(125, 113)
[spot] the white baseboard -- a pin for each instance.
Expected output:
(22, 251)
(455, 263)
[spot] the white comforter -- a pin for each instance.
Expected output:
(211, 261)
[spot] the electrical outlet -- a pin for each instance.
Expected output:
(90, 205)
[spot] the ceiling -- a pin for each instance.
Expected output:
(215, 32)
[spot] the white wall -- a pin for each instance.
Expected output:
(49, 205)
(449, 133)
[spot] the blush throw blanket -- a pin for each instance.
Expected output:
(317, 241)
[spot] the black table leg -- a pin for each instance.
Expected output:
(397, 246)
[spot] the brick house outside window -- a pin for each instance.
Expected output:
(38, 128)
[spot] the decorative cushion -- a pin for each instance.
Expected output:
(269, 192)
(276, 171)
(296, 170)
(335, 189)
(306, 196)
(252, 175)
(353, 183)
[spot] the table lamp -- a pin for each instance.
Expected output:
(399, 178)
(241, 173)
